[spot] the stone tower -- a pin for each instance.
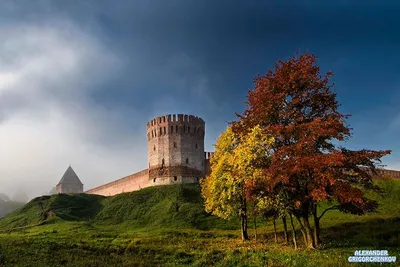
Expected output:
(69, 183)
(175, 149)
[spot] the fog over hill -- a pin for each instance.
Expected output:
(8, 205)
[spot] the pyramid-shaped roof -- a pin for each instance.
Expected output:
(70, 177)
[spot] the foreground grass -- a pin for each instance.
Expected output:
(167, 227)
(79, 244)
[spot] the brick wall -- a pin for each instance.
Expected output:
(175, 141)
(391, 173)
(129, 183)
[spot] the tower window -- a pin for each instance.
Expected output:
(196, 146)
(154, 148)
(176, 128)
(175, 178)
(187, 160)
(154, 180)
(172, 129)
(174, 144)
(160, 131)
(165, 131)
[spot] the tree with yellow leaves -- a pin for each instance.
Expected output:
(237, 163)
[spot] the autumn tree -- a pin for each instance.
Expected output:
(296, 105)
(233, 167)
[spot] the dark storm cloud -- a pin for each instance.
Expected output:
(133, 60)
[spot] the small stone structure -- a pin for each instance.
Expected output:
(69, 183)
(175, 155)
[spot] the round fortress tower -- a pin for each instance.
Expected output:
(175, 149)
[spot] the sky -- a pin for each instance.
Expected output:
(80, 79)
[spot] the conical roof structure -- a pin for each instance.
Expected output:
(70, 177)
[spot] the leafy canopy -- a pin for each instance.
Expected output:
(296, 106)
(233, 167)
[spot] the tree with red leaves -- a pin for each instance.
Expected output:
(295, 104)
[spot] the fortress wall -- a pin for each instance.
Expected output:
(129, 183)
(384, 173)
(391, 173)
(175, 140)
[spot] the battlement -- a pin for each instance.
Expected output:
(175, 124)
(179, 118)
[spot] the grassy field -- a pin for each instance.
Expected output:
(166, 226)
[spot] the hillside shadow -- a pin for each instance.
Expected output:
(376, 233)
(78, 207)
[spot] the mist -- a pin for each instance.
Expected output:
(79, 80)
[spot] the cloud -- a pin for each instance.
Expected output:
(48, 118)
(50, 74)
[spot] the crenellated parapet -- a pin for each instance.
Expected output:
(183, 118)
(180, 124)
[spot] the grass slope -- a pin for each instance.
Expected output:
(166, 226)
(75, 207)
(162, 206)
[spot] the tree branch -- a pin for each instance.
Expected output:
(330, 208)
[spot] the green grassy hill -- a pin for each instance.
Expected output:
(167, 226)
(77, 207)
(162, 206)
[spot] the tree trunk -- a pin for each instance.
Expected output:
(255, 226)
(243, 216)
(245, 236)
(309, 232)
(317, 239)
(293, 231)
(303, 230)
(285, 231)
(276, 236)
(316, 226)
